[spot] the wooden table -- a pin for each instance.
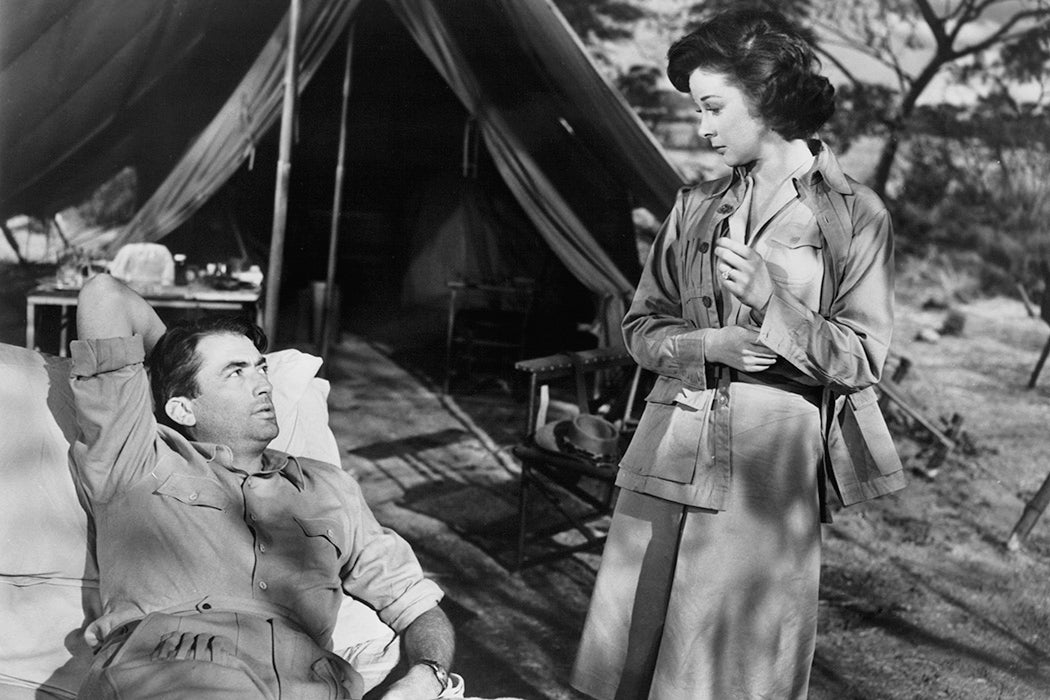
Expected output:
(191, 297)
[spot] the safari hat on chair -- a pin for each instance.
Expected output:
(585, 435)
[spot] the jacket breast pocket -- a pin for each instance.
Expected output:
(195, 491)
(794, 257)
(670, 433)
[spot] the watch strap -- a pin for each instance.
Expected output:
(440, 672)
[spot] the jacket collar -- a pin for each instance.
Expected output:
(825, 168)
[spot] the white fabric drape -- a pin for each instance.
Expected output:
(230, 137)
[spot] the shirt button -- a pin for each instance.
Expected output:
(262, 585)
(706, 301)
(329, 532)
(262, 548)
(252, 517)
(704, 247)
(193, 496)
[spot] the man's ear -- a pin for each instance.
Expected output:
(180, 410)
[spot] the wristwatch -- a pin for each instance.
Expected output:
(440, 672)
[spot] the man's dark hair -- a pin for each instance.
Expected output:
(767, 57)
(173, 363)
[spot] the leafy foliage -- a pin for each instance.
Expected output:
(640, 86)
(798, 11)
(602, 19)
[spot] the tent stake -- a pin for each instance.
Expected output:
(284, 167)
(337, 204)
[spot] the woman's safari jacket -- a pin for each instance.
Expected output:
(835, 354)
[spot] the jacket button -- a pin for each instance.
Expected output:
(706, 301)
(704, 246)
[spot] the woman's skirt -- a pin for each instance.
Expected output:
(698, 604)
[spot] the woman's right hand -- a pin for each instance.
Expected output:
(739, 348)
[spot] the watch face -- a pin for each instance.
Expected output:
(440, 671)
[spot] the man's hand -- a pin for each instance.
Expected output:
(739, 348)
(419, 683)
(106, 308)
(743, 273)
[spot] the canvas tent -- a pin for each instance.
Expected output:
(567, 148)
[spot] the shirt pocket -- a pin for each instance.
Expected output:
(196, 491)
(323, 535)
(794, 257)
(670, 433)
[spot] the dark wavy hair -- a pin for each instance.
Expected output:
(767, 57)
(173, 363)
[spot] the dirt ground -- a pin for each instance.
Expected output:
(919, 596)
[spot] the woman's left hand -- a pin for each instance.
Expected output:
(743, 273)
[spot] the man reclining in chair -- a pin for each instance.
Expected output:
(222, 563)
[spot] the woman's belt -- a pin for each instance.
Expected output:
(810, 393)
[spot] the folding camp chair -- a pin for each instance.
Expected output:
(580, 488)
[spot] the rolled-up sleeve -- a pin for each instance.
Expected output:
(114, 413)
(655, 330)
(846, 350)
(383, 570)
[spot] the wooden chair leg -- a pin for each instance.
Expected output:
(1039, 365)
(1032, 510)
(523, 504)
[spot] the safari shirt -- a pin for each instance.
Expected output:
(176, 522)
(830, 334)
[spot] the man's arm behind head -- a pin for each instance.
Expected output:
(106, 308)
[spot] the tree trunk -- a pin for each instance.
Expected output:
(885, 164)
(900, 124)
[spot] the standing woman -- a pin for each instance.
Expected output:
(765, 307)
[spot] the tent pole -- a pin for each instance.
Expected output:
(284, 167)
(337, 204)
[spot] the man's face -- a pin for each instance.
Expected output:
(234, 405)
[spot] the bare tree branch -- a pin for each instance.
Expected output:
(934, 22)
(1003, 33)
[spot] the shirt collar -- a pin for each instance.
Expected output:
(825, 168)
(274, 462)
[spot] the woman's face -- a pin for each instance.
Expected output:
(726, 119)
